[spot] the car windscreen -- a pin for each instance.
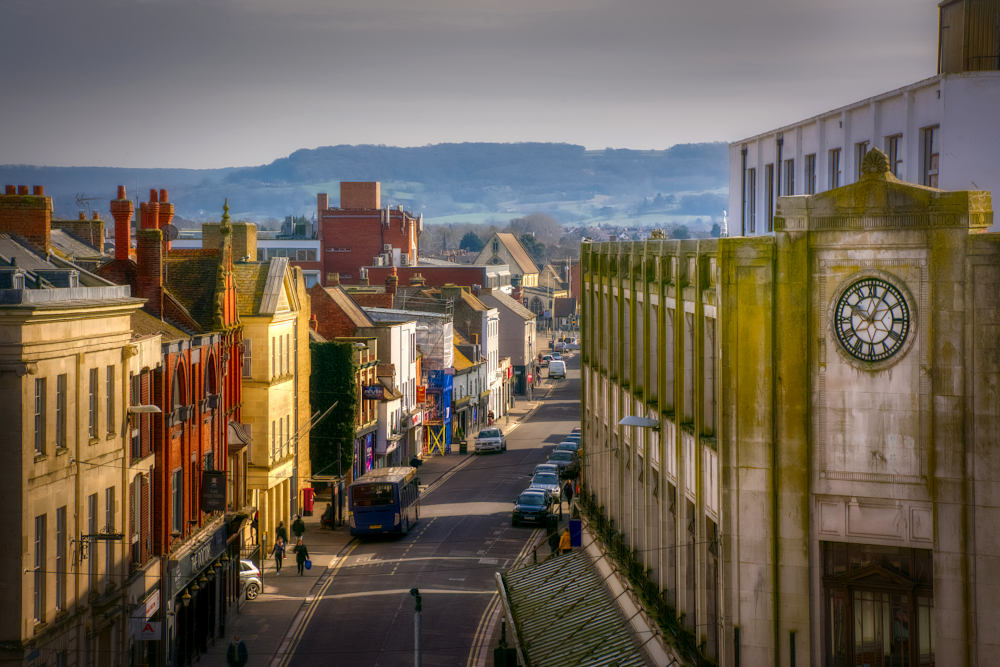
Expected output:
(566, 446)
(561, 456)
(545, 478)
(371, 495)
(533, 499)
(489, 433)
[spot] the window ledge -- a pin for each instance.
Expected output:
(111, 436)
(62, 450)
(93, 441)
(40, 456)
(40, 627)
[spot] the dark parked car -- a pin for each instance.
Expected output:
(568, 447)
(563, 458)
(532, 506)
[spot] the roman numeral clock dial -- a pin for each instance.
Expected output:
(872, 320)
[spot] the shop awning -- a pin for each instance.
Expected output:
(563, 614)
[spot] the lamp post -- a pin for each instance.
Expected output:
(416, 628)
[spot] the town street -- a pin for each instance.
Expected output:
(354, 607)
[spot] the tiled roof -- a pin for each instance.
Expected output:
(144, 324)
(26, 257)
(517, 251)
(563, 615)
(250, 278)
(191, 279)
(70, 246)
(461, 361)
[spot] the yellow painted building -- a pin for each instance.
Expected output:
(65, 348)
(274, 309)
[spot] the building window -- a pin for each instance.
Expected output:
(789, 178)
(274, 439)
(61, 558)
(860, 149)
(279, 446)
(135, 425)
(752, 199)
(929, 151)
(39, 569)
(93, 402)
(769, 197)
(177, 489)
(289, 360)
(61, 382)
(40, 416)
(834, 168)
(892, 147)
(246, 358)
(810, 174)
(110, 386)
(496, 246)
(274, 357)
(288, 435)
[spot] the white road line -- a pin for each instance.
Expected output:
(400, 591)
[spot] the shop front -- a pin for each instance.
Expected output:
(196, 597)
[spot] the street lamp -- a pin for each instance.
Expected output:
(144, 410)
(640, 422)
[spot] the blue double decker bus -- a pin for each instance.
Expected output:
(383, 501)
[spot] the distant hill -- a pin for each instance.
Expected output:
(472, 182)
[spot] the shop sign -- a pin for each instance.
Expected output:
(421, 394)
(373, 392)
(529, 377)
(149, 631)
(213, 491)
(152, 603)
(416, 418)
(194, 562)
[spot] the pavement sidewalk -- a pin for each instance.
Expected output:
(263, 624)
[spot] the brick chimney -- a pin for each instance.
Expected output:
(451, 292)
(417, 280)
(149, 258)
(122, 210)
(516, 289)
(364, 195)
(27, 215)
(314, 322)
(164, 217)
(391, 282)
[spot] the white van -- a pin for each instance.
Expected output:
(557, 369)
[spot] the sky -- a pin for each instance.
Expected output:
(218, 83)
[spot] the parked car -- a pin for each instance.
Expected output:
(532, 506)
(568, 447)
(490, 440)
(572, 344)
(563, 459)
(557, 369)
(250, 576)
(576, 430)
(572, 437)
(546, 358)
(556, 356)
(547, 482)
(559, 346)
(546, 467)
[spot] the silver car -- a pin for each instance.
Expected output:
(250, 576)
(546, 467)
(490, 440)
(548, 482)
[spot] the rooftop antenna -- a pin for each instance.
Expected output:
(83, 201)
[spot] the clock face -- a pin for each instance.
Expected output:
(872, 320)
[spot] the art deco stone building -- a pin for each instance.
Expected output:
(822, 488)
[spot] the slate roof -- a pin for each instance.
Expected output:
(190, 279)
(70, 246)
(564, 616)
(513, 305)
(144, 324)
(517, 251)
(351, 310)
(250, 278)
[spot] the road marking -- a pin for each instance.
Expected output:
(400, 591)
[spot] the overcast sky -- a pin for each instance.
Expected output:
(215, 83)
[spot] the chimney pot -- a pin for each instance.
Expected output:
(96, 216)
(163, 196)
(10, 190)
(38, 190)
(22, 189)
(83, 216)
(314, 322)
(154, 195)
(122, 210)
(121, 192)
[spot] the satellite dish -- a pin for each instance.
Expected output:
(170, 232)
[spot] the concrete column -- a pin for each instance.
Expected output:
(264, 516)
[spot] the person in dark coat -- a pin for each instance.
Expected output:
(237, 655)
(568, 492)
(279, 554)
(281, 531)
(301, 555)
(298, 526)
(327, 519)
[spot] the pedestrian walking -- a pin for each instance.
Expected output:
(237, 654)
(301, 555)
(281, 531)
(568, 492)
(253, 528)
(564, 542)
(489, 418)
(298, 526)
(279, 553)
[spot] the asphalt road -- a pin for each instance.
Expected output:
(364, 615)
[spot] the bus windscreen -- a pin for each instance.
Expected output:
(372, 495)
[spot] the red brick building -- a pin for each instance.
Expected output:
(199, 475)
(354, 235)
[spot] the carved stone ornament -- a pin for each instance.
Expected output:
(875, 163)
